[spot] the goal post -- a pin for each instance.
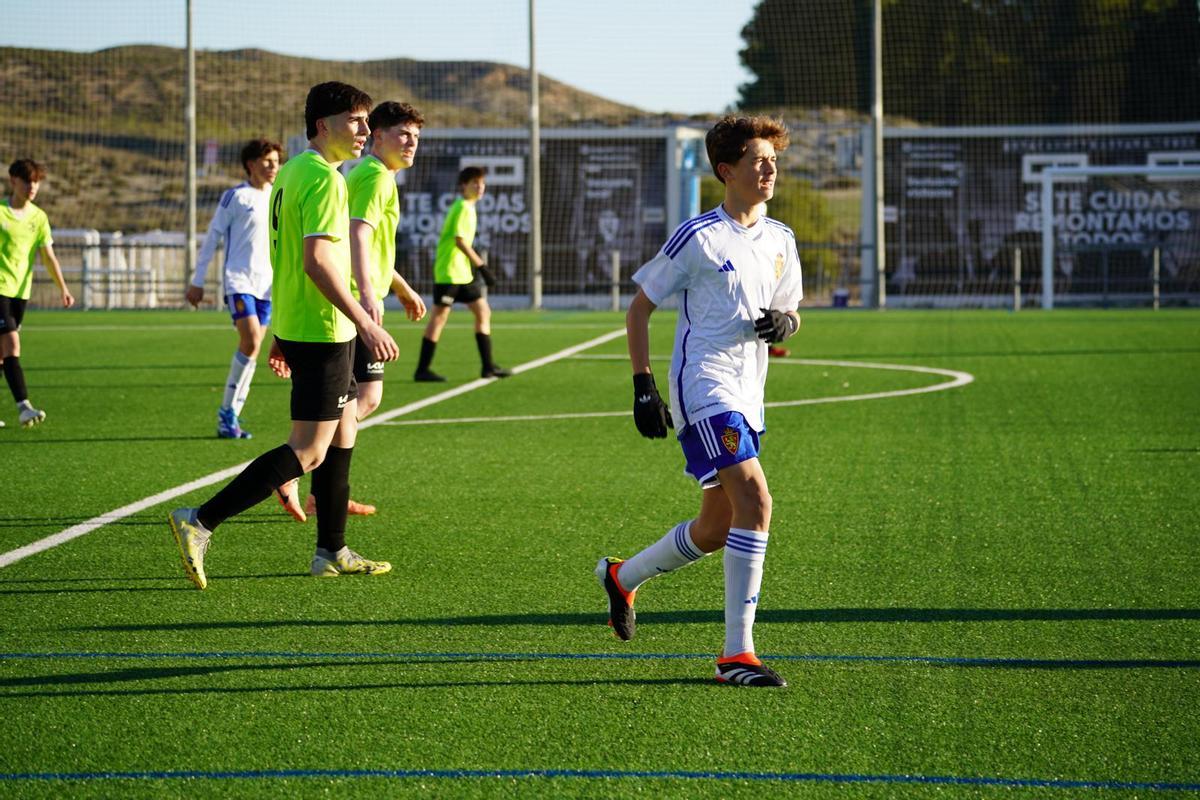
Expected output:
(1052, 175)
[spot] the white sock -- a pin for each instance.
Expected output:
(240, 369)
(744, 554)
(243, 385)
(669, 553)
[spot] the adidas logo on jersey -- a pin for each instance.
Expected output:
(727, 266)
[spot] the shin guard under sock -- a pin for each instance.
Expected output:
(253, 485)
(331, 489)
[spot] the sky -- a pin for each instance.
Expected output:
(662, 55)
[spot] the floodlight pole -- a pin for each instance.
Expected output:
(877, 131)
(189, 115)
(535, 171)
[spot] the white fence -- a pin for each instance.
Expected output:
(112, 270)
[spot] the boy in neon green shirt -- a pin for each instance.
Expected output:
(315, 324)
(24, 233)
(374, 215)
(454, 280)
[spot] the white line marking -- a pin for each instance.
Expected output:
(957, 379)
(75, 531)
(523, 418)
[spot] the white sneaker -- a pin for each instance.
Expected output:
(347, 562)
(31, 416)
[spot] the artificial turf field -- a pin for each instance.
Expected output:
(990, 590)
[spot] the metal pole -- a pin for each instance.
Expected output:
(189, 114)
(1047, 241)
(535, 171)
(1017, 279)
(616, 280)
(877, 129)
(1155, 263)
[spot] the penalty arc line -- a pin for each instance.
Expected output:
(86, 527)
(957, 379)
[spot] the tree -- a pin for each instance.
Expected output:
(981, 62)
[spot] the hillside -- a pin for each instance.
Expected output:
(110, 125)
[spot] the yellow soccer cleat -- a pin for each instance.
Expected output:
(193, 540)
(347, 562)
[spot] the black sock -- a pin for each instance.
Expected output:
(484, 342)
(16, 378)
(427, 348)
(331, 489)
(264, 475)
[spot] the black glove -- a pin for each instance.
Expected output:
(488, 277)
(650, 413)
(775, 326)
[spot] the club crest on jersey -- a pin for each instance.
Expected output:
(778, 266)
(730, 438)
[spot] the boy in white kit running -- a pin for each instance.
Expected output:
(241, 220)
(737, 275)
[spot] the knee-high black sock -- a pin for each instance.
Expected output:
(331, 488)
(16, 378)
(427, 348)
(484, 342)
(255, 483)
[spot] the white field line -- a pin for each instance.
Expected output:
(957, 379)
(83, 528)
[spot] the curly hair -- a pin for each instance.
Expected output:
(726, 142)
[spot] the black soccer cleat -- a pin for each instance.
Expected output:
(620, 603)
(745, 669)
(428, 376)
(495, 372)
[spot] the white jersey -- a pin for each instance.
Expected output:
(726, 275)
(241, 220)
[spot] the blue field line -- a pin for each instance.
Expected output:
(605, 774)
(1031, 663)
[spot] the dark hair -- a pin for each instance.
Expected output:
(469, 174)
(258, 148)
(328, 99)
(27, 169)
(726, 142)
(390, 113)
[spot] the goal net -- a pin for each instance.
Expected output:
(979, 97)
(1120, 234)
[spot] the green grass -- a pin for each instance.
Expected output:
(1038, 527)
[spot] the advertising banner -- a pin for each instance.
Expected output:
(599, 196)
(960, 206)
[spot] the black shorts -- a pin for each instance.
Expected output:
(365, 370)
(447, 294)
(322, 380)
(12, 311)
